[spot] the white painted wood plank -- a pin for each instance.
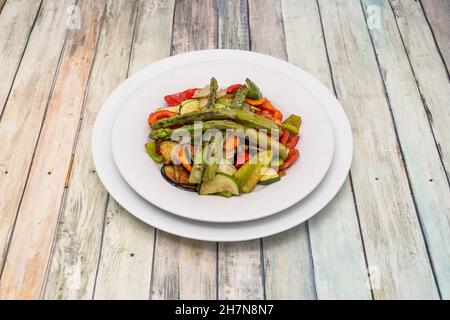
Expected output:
(25, 109)
(77, 247)
(2, 4)
(287, 262)
(28, 256)
(128, 243)
(339, 266)
(186, 269)
(437, 13)
(240, 270)
(428, 179)
(126, 260)
(16, 23)
(429, 70)
(393, 240)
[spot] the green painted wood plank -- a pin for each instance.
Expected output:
(391, 232)
(339, 266)
(287, 261)
(240, 270)
(427, 176)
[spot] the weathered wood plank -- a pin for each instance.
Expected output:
(339, 266)
(437, 13)
(77, 246)
(128, 243)
(16, 23)
(428, 179)
(186, 269)
(429, 70)
(240, 268)
(392, 237)
(2, 4)
(126, 260)
(25, 109)
(287, 261)
(28, 256)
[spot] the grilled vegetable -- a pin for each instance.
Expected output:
(249, 174)
(292, 124)
(239, 98)
(245, 117)
(268, 176)
(212, 94)
(197, 168)
(226, 167)
(150, 148)
(177, 177)
(233, 88)
(166, 149)
(155, 116)
(189, 106)
(253, 90)
(166, 133)
(221, 183)
(177, 98)
(224, 101)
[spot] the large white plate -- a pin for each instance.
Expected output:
(130, 133)
(139, 207)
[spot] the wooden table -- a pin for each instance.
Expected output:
(386, 235)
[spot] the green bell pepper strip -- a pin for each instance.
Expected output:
(150, 148)
(249, 174)
(292, 124)
(253, 90)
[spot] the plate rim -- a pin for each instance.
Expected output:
(227, 232)
(204, 213)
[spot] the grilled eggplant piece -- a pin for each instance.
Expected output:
(177, 177)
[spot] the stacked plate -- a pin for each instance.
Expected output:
(135, 182)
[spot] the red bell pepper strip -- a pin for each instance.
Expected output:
(233, 88)
(177, 98)
(242, 158)
(291, 158)
(155, 116)
(284, 137)
(292, 141)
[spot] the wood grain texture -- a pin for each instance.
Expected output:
(287, 261)
(393, 241)
(240, 270)
(438, 16)
(128, 243)
(194, 25)
(126, 260)
(186, 269)
(428, 179)
(77, 247)
(25, 108)
(13, 40)
(28, 255)
(429, 70)
(339, 266)
(2, 4)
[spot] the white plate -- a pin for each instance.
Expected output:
(130, 133)
(139, 207)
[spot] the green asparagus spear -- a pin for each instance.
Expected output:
(166, 133)
(239, 97)
(248, 118)
(212, 94)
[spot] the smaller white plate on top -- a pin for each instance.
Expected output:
(316, 145)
